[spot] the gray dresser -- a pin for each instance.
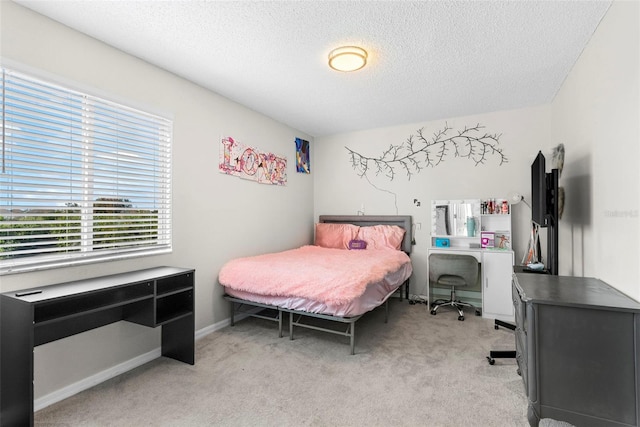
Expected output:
(578, 350)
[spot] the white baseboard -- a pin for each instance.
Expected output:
(418, 297)
(93, 380)
(201, 333)
(107, 374)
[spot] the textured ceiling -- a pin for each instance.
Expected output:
(427, 59)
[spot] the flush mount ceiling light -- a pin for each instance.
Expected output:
(347, 58)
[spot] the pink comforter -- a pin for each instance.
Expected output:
(331, 276)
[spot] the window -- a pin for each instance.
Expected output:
(82, 179)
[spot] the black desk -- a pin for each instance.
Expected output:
(153, 297)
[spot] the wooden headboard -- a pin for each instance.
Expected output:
(403, 221)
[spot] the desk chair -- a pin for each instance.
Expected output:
(455, 271)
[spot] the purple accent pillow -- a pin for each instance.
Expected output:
(357, 244)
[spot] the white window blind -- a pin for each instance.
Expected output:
(82, 178)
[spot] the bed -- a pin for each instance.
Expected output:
(334, 280)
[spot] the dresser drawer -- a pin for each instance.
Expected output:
(521, 339)
(522, 370)
(521, 358)
(521, 343)
(518, 305)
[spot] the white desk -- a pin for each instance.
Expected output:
(496, 269)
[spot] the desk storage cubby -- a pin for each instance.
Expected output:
(174, 283)
(172, 306)
(174, 297)
(58, 308)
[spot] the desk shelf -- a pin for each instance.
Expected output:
(450, 218)
(175, 315)
(61, 308)
(173, 305)
(173, 284)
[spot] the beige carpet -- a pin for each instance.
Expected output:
(416, 370)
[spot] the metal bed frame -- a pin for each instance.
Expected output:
(275, 313)
(267, 312)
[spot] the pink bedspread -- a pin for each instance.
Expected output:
(331, 276)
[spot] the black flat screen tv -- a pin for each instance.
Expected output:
(539, 190)
(544, 207)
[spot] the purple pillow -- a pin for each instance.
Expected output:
(357, 244)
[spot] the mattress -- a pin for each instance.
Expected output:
(318, 280)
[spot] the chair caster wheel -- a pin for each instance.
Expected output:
(478, 313)
(495, 327)
(433, 312)
(461, 318)
(491, 361)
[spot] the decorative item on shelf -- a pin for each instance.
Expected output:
(442, 242)
(537, 266)
(487, 239)
(471, 226)
(502, 240)
(532, 255)
(487, 207)
(495, 207)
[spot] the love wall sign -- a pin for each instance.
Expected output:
(250, 163)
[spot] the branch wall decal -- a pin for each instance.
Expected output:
(420, 151)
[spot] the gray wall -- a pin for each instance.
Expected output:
(596, 114)
(215, 217)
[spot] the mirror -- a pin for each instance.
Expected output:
(455, 217)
